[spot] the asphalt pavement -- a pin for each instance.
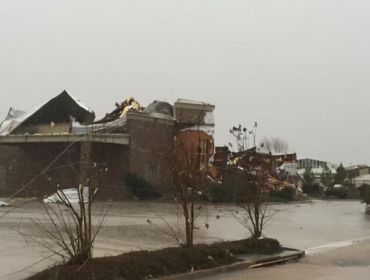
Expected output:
(320, 227)
(337, 261)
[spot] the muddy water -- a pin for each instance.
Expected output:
(126, 228)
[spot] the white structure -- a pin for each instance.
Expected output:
(315, 163)
(361, 180)
(317, 172)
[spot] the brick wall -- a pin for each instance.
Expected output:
(151, 146)
(113, 164)
(24, 162)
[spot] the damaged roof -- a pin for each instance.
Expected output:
(121, 110)
(63, 107)
(160, 107)
(187, 103)
(194, 102)
(60, 109)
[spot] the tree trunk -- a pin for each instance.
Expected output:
(257, 230)
(188, 228)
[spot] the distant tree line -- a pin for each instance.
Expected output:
(311, 186)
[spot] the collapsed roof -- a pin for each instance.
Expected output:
(116, 120)
(251, 160)
(66, 109)
(121, 110)
(60, 109)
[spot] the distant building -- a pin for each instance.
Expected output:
(360, 180)
(317, 172)
(357, 170)
(317, 167)
(315, 163)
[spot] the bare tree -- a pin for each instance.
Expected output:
(244, 138)
(274, 144)
(188, 161)
(70, 232)
(190, 177)
(252, 199)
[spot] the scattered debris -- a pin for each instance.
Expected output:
(282, 168)
(121, 110)
(4, 204)
(70, 194)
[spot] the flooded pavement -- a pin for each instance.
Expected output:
(303, 226)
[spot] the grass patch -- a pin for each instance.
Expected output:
(141, 265)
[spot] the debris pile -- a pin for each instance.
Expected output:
(68, 194)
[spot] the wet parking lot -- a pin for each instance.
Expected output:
(309, 226)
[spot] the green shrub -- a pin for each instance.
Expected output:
(219, 193)
(364, 192)
(235, 188)
(227, 192)
(139, 265)
(274, 198)
(340, 193)
(285, 194)
(140, 187)
(311, 189)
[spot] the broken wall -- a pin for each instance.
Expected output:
(61, 128)
(190, 113)
(191, 144)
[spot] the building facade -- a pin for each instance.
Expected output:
(58, 145)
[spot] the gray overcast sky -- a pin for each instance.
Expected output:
(300, 68)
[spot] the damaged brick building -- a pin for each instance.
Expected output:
(59, 145)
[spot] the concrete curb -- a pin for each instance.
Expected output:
(294, 255)
(209, 272)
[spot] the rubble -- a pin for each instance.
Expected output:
(70, 194)
(121, 110)
(282, 168)
(4, 204)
